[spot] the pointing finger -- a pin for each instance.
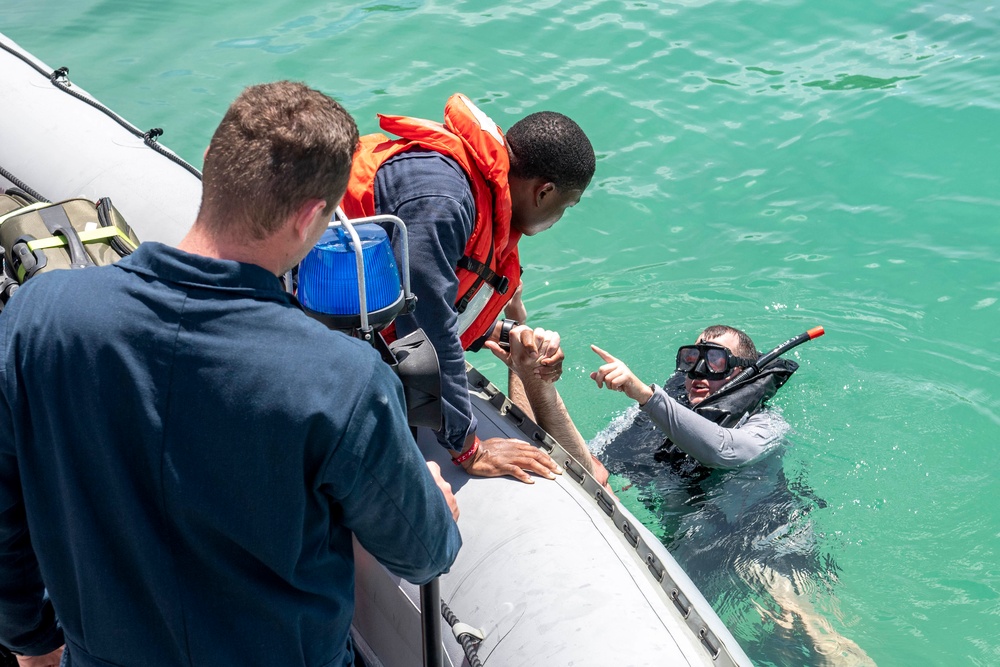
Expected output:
(602, 354)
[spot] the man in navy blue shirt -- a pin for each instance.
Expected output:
(467, 193)
(184, 454)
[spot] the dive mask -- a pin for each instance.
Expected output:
(708, 360)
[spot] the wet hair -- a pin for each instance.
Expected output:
(279, 145)
(551, 146)
(744, 348)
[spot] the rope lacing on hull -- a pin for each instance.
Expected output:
(59, 78)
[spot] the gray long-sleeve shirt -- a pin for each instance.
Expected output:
(709, 443)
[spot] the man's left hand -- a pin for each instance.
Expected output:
(497, 457)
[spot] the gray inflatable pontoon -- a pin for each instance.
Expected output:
(554, 573)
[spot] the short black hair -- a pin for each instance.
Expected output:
(552, 146)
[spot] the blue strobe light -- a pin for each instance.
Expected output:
(328, 276)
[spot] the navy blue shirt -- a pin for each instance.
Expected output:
(184, 457)
(431, 194)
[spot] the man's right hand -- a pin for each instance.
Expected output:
(601, 473)
(445, 488)
(616, 376)
(497, 457)
(48, 660)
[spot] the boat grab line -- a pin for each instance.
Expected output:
(670, 588)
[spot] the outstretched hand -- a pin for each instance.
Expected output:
(497, 457)
(615, 375)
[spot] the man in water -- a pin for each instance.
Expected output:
(703, 459)
(185, 456)
(718, 355)
(467, 194)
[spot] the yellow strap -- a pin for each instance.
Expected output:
(24, 209)
(99, 234)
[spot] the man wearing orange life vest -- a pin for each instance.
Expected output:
(467, 194)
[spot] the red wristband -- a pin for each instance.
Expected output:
(462, 458)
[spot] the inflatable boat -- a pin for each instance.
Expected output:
(554, 573)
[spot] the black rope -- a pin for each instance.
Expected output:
(469, 643)
(149, 138)
(59, 79)
(28, 61)
(18, 183)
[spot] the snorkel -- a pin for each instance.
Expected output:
(765, 359)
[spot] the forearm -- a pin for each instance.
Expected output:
(46, 636)
(517, 395)
(389, 498)
(436, 316)
(457, 418)
(702, 439)
(27, 618)
(431, 194)
(550, 413)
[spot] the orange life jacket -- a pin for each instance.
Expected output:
(489, 271)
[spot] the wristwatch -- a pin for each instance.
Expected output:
(505, 327)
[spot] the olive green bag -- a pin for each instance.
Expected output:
(38, 237)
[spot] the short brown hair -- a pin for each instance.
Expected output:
(745, 346)
(279, 145)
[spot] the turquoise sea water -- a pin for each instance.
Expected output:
(772, 165)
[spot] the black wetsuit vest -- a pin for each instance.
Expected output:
(734, 403)
(727, 408)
